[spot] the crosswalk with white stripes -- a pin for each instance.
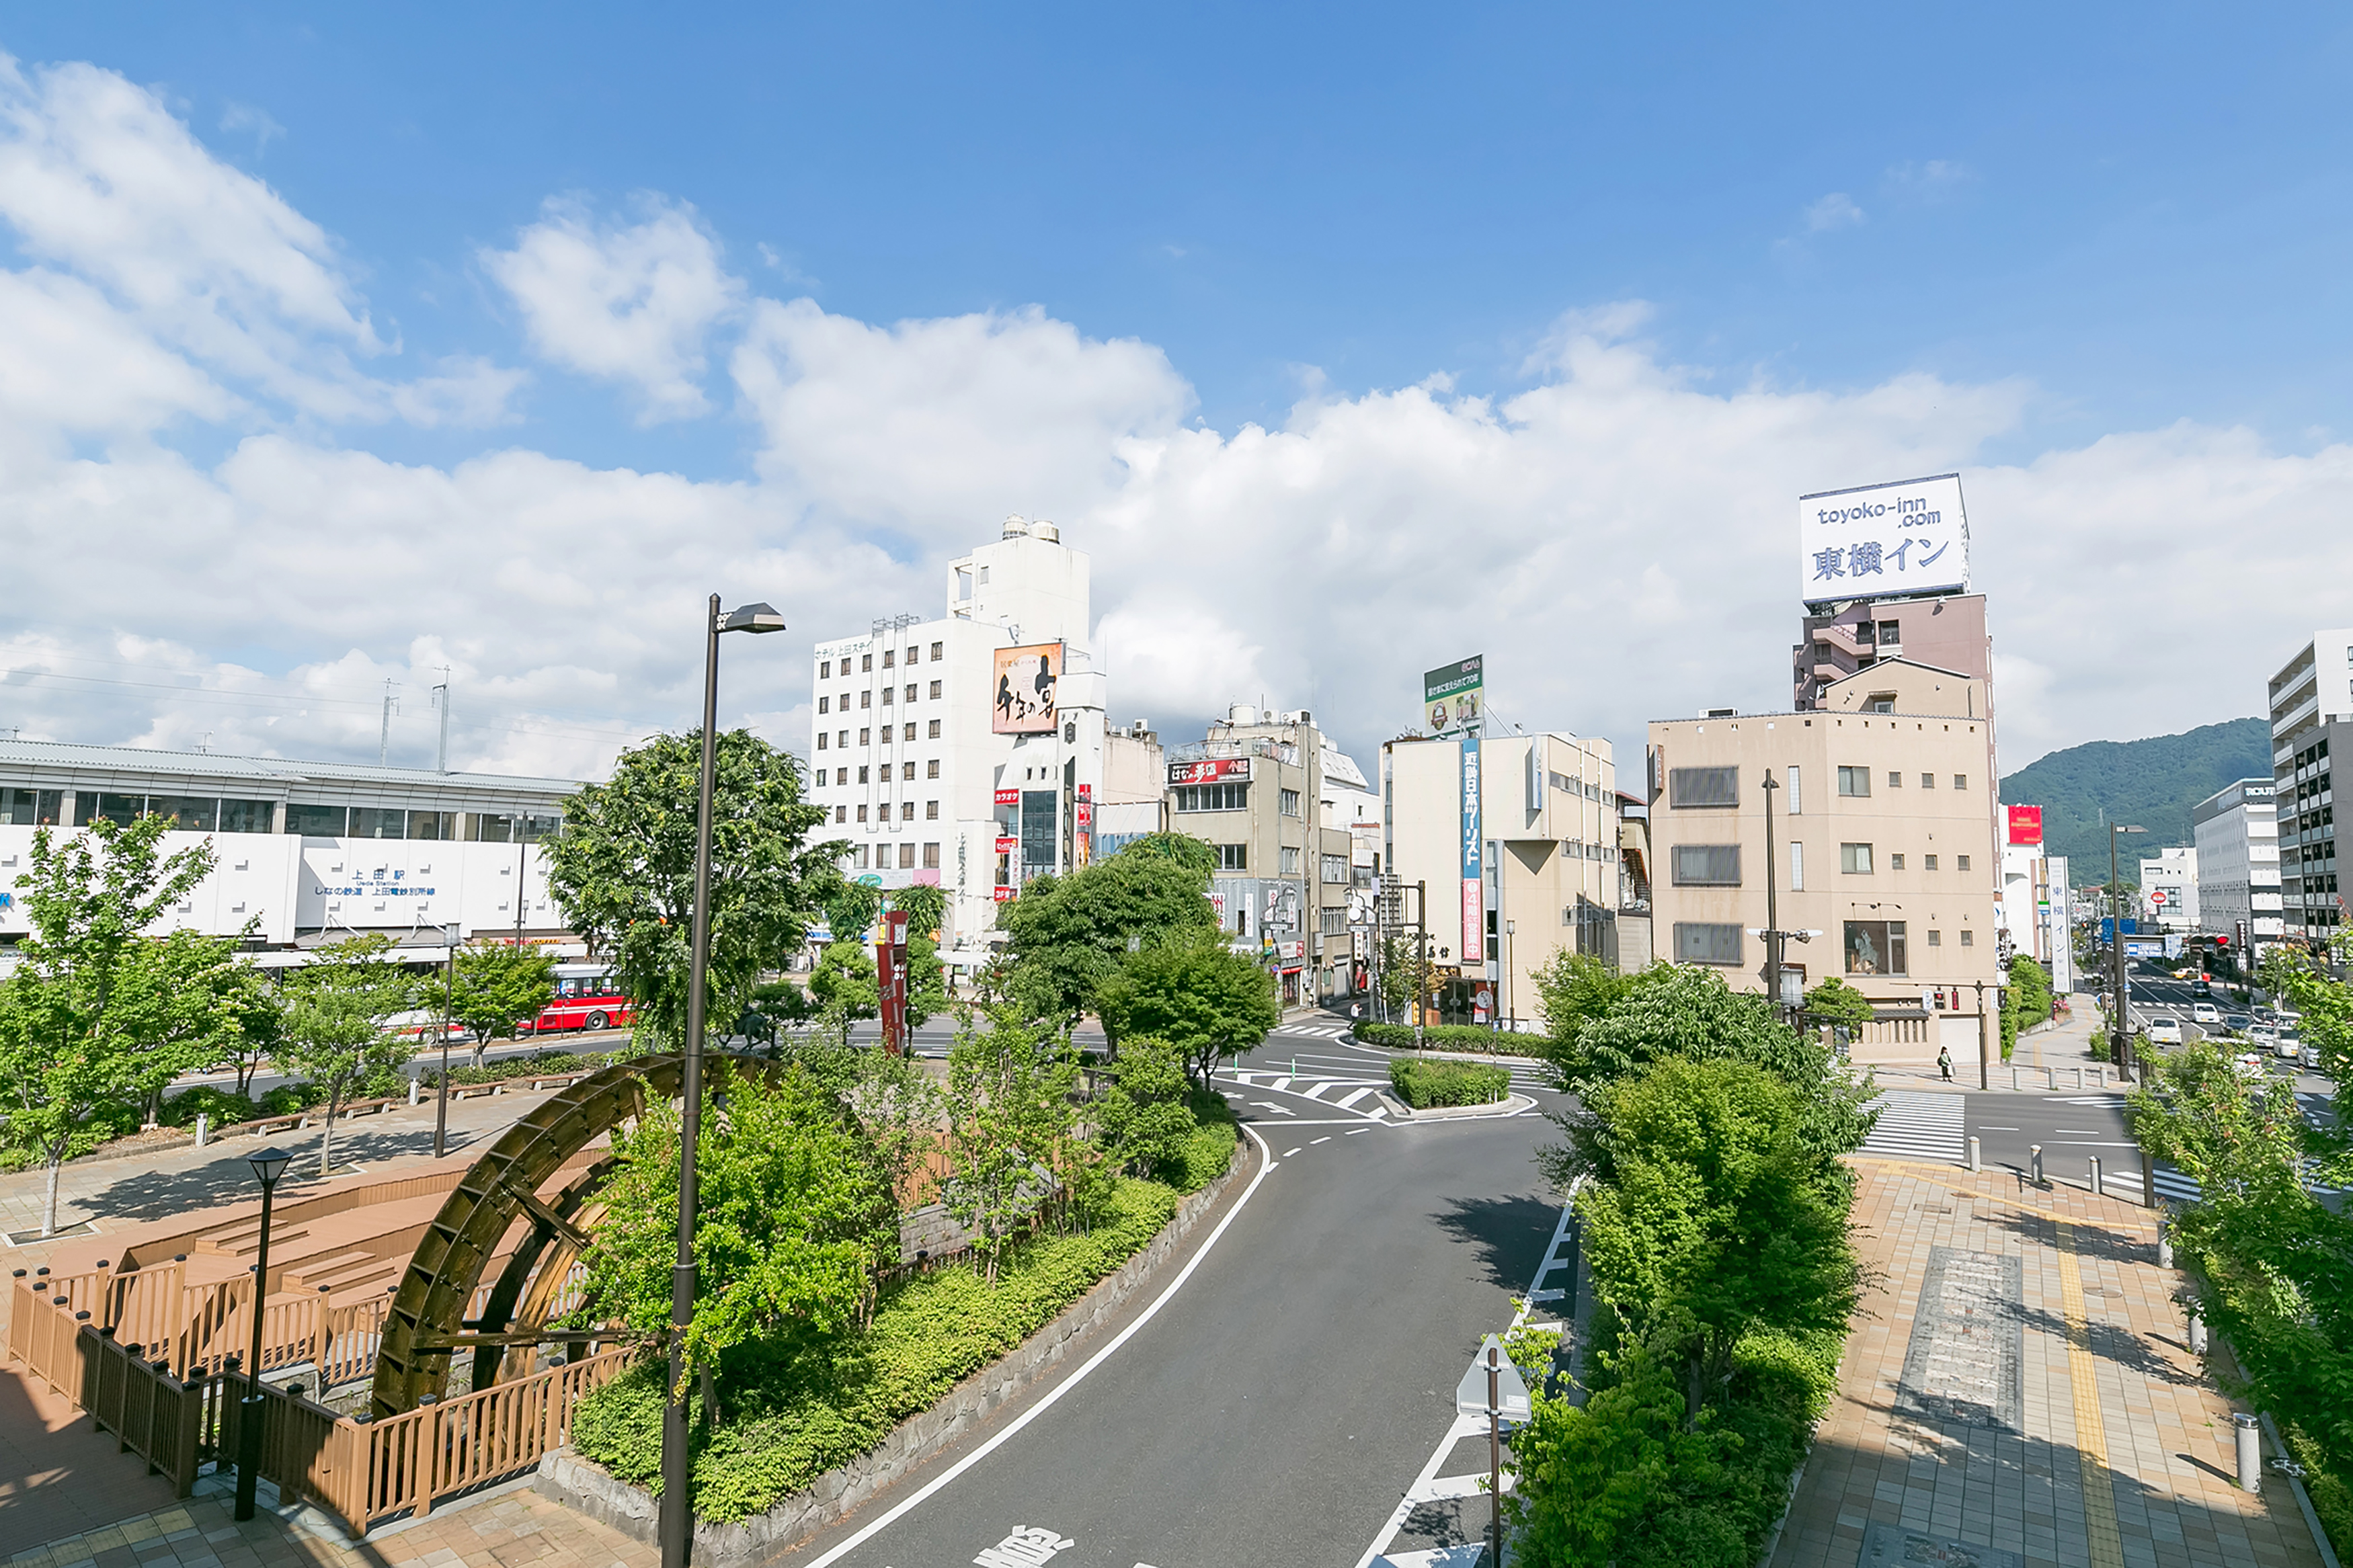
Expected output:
(1361, 1096)
(1916, 1126)
(1312, 1031)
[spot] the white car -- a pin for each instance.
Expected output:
(2205, 1012)
(2263, 1035)
(2250, 1064)
(2289, 1047)
(2164, 1031)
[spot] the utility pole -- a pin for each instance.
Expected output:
(384, 738)
(2120, 1022)
(441, 694)
(1420, 957)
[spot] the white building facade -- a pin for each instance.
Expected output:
(2239, 893)
(2169, 889)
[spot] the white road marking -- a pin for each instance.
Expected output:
(1445, 1488)
(1277, 1109)
(1353, 1130)
(1325, 1139)
(1287, 1153)
(1346, 1101)
(1915, 1125)
(1054, 1395)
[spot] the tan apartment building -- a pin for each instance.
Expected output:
(1548, 862)
(1883, 844)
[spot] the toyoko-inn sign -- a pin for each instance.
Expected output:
(1879, 541)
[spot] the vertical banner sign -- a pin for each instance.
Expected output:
(1083, 817)
(891, 955)
(1474, 913)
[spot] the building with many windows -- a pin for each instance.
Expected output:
(2238, 864)
(2312, 723)
(305, 852)
(1875, 833)
(2169, 889)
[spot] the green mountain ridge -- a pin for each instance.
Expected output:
(2155, 783)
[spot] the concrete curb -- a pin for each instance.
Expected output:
(1511, 1105)
(591, 1489)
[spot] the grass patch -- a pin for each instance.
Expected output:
(795, 1407)
(1454, 1038)
(1424, 1084)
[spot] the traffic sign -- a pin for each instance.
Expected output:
(2157, 897)
(1511, 1389)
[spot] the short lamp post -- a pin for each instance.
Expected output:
(268, 1167)
(677, 1505)
(2120, 1025)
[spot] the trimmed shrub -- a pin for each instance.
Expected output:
(1424, 1084)
(1453, 1037)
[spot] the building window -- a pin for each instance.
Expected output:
(237, 815)
(1927, 781)
(906, 856)
(1336, 870)
(1796, 867)
(1793, 790)
(1287, 857)
(1881, 702)
(1854, 781)
(1960, 862)
(886, 696)
(1895, 779)
(935, 730)
(907, 811)
(1707, 866)
(865, 775)
(907, 772)
(1936, 937)
(1891, 632)
(861, 814)
(1212, 798)
(824, 670)
(1895, 862)
(1968, 938)
(865, 737)
(887, 654)
(1875, 947)
(843, 739)
(865, 661)
(932, 768)
(1928, 862)
(1854, 858)
(1334, 922)
(910, 734)
(841, 813)
(1703, 787)
(1697, 944)
(939, 651)
(824, 704)
(821, 739)
(911, 691)
(866, 699)
(931, 857)
(861, 856)
(1287, 802)
(1232, 856)
(931, 811)
(1961, 781)
(327, 821)
(441, 825)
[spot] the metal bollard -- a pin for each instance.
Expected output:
(1974, 1164)
(2251, 1452)
(2079, 1078)
(2099, 1078)
(2096, 1177)
(2164, 1244)
(2014, 1077)
(416, 1089)
(2197, 1332)
(203, 1130)
(2148, 1180)
(2051, 1074)
(2034, 1159)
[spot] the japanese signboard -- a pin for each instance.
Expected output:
(1879, 541)
(1453, 697)
(2026, 825)
(1022, 699)
(1214, 770)
(1083, 828)
(1008, 797)
(1474, 889)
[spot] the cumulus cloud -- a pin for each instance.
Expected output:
(632, 303)
(1835, 211)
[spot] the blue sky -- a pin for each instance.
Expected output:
(2019, 241)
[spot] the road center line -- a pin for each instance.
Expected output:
(1054, 1394)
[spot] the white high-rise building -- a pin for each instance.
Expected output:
(2239, 863)
(947, 764)
(2168, 886)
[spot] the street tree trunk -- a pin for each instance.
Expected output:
(327, 1132)
(50, 1193)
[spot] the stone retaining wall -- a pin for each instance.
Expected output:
(579, 1484)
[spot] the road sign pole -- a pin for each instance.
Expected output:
(1495, 1452)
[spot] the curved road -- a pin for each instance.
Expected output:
(1277, 1406)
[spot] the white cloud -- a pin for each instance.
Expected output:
(1835, 211)
(632, 303)
(1930, 180)
(246, 117)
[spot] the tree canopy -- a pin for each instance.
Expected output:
(336, 1009)
(1067, 935)
(623, 872)
(1192, 993)
(493, 988)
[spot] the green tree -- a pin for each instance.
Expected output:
(925, 907)
(1836, 1002)
(71, 1009)
(1145, 1119)
(844, 979)
(337, 1007)
(2025, 1001)
(1709, 1217)
(1008, 1118)
(1406, 973)
(851, 909)
(2326, 1006)
(1193, 855)
(1575, 988)
(927, 989)
(623, 872)
(794, 1215)
(495, 987)
(1192, 993)
(1067, 935)
(189, 1003)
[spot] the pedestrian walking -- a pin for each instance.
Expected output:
(1945, 1062)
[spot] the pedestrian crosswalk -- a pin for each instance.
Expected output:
(1360, 1096)
(1313, 1031)
(1916, 1126)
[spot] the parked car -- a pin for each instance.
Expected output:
(2265, 1035)
(2164, 1031)
(2205, 1012)
(2289, 1046)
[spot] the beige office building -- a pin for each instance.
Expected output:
(1549, 837)
(1883, 844)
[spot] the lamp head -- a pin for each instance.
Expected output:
(753, 618)
(2126, 827)
(269, 1164)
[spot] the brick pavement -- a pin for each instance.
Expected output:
(2118, 1452)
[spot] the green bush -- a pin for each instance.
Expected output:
(538, 1064)
(795, 1408)
(1210, 1148)
(226, 1109)
(1424, 1084)
(1452, 1038)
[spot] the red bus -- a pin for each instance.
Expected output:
(585, 998)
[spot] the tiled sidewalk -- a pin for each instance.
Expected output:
(2068, 1426)
(506, 1532)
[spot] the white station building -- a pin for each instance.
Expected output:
(305, 852)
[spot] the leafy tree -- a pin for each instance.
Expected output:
(1575, 988)
(794, 1215)
(188, 1003)
(72, 1010)
(336, 1009)
(1837, 1002)
(851, 909)
(623, 872)
(927, 990)
(1712, 1217)
(2326, 1005)
(2025, 1002)
(1404, 975)
(925, 907)
(845, 979)
(1193, 853)
(495, 986)
(1192, 993)
(1008, 1118)
(1146, 1120)
(257, 1021)
(1069, 934)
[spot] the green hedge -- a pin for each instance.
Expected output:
(1424, 1084)
(542, 1064)
(795, 1408)
(1454, 1038)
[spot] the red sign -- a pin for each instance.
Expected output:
(1007, 846)
(1004, 895)
(891, 955)
(2157, 897)
(1008, 797)
(1211, 771)
(2026, 825)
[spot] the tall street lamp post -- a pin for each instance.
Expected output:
(2120, 1022)
(268, 1167)
(677, 1507)
(450, 938)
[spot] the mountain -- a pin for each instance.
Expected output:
(2154, 782)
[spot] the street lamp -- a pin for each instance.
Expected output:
(677, 1507)
(268, 1167)
(2120, 1024)
(450, 936)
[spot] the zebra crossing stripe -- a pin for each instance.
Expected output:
(1917, 1126)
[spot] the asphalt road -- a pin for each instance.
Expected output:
(1282, 1400)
